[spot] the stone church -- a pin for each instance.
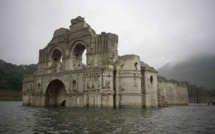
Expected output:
(107, 79)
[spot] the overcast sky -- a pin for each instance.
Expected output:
(159, 31)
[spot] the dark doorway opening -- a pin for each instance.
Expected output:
(55, 94)
(63, 103)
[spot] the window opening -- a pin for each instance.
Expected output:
(135, 64)
(151, 79)
(57, 56)
(84, 57)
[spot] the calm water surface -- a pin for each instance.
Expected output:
(192, 119)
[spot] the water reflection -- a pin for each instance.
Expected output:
(183, 119)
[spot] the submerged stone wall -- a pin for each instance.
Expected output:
(171, 92)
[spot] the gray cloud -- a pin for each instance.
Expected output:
(158, 31)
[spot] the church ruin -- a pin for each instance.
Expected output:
(107, 79)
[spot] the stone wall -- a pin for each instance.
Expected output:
(149, 86)
(172, 93)
(92, 87)
(128, 81)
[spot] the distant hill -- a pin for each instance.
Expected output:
(11, 75)
(198, 70)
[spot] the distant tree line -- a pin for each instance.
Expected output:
(11, 75)
(195, 90)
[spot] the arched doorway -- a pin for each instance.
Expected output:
(79, 56)
(56, 94)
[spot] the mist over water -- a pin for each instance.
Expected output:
(15, 118)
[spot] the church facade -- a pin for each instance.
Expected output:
(107, 79)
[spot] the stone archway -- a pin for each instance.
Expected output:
(77, 54)
(56, 55)
(56, 94)
(56, 62)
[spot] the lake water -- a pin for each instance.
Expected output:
(192, 119)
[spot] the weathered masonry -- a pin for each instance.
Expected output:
(108, 80)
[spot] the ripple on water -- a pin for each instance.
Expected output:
(14, 118)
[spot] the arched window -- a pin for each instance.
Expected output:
(79, 56)
(74, 85)
(56, 56)
(38, 86)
